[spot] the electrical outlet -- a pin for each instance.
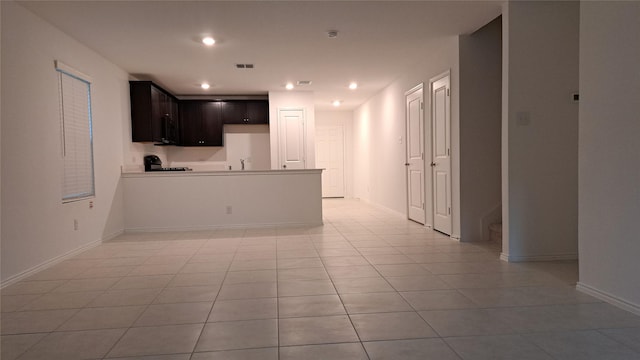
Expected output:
(229, 210)
(75, 224)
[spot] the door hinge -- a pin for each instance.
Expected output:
(423, 206)
(421, 105)
(448, 92)
(449, 211)
(448, 152)
(422, 156)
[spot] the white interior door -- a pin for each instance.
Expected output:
(330, 157)
(441, 163)
(291, 123)
(415, 154)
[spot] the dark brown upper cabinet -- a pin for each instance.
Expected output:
(154, 113)
(200, 123)
(245, 112)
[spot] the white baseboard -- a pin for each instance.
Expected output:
(384, 208)
(611, 299)
(47, 264)
(528, 258)
(112, 235)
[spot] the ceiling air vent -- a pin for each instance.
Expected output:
(304, 82)
(244, 66)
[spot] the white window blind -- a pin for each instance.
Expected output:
(77, 135)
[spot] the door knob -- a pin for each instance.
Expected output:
(406, 164)
(284, 166)
(433, 164)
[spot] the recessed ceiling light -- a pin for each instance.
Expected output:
(208, 40)
(205, 86)
(289, 86)
(336, 102)
(353, 85)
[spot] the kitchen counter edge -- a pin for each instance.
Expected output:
(129, 174)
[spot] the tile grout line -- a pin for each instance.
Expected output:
(342, 301)
(214, 299)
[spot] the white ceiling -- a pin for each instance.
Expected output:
(286, 40)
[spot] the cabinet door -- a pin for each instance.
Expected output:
(140, 111)
(234, 112)
(157, 112)
(169, 121)
(154, 113)
(257, 112)
(211, 124)
(190, 123)
(174, 117)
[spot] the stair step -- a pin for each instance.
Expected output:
(495, 231)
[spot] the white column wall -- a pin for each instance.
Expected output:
(540, 122)
(36, 227)
(609, 152)
(480, 130)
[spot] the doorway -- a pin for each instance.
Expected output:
(291, 129)
(415, 154)
(330, 157)
(440, 89)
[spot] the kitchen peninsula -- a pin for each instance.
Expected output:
(168, 201)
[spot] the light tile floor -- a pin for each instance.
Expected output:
(366, 285)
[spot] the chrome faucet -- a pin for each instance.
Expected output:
(242, 163)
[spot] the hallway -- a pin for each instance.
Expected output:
(366, 285)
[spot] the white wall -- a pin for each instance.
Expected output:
(249, 142)
(344, 119)
(609, 152)
(296, 100)
(379, 148)
(36, 226)
(540, 121)
(480, 129)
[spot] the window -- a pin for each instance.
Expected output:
(77, 134)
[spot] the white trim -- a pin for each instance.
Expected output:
(49, 263)
(420, 86)
(383, 208)
(611, 299)
(528, 258)
(112, 235)
(60, 66)
(440, 76)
